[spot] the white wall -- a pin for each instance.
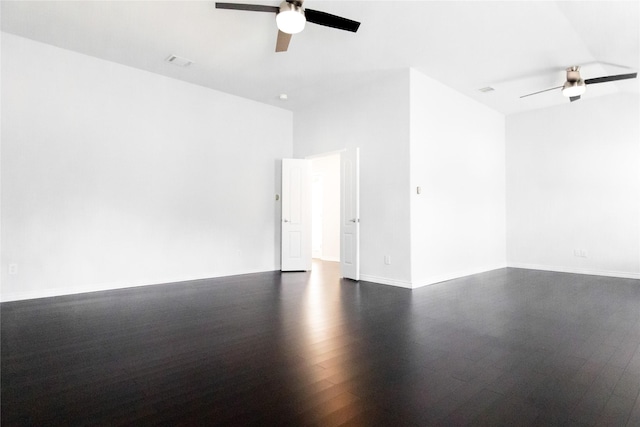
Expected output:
(374, 117)
(458, 160)
(112, 176)
(573, 183)
(328, 167)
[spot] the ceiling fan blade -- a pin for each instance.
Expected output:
(574, 98)
(540, 91)
(282, 44)
(610, 78)
(249, 7)
(333, 21)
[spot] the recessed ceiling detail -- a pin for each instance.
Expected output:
(486, 89)
(179, 61)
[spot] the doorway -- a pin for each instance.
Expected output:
(325, 207)
(337, 212)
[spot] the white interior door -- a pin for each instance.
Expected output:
(350, 214)
(296, 215)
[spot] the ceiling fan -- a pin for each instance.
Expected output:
(574, 87)
(291, 17)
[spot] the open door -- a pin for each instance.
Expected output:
(296, 216)
(350, 214)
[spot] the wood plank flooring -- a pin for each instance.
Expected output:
(507, 347)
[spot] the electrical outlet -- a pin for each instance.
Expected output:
(13, 268)
(387, 259)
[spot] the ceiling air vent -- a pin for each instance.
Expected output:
(486, 89)
(180, 62)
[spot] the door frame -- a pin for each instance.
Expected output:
(339, 153)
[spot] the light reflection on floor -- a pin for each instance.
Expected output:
(322, 325)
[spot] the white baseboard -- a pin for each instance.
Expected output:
(56, 292)
(385, 281)
(456, 275)
(53, 292)
(330, 258)
(562, 269)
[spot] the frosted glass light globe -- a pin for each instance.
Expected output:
(291, 18)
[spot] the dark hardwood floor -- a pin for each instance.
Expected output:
(507, 347)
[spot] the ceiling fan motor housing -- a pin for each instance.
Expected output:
(574, 86)
(573, 74)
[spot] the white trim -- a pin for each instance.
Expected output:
(327, 154)
(562, 269)
(385, 281)
(56, 292)
(330, 258)
(456, 275)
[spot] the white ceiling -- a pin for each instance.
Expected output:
(516, 47)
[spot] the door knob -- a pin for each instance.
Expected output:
(353, 220)
(286, 220)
